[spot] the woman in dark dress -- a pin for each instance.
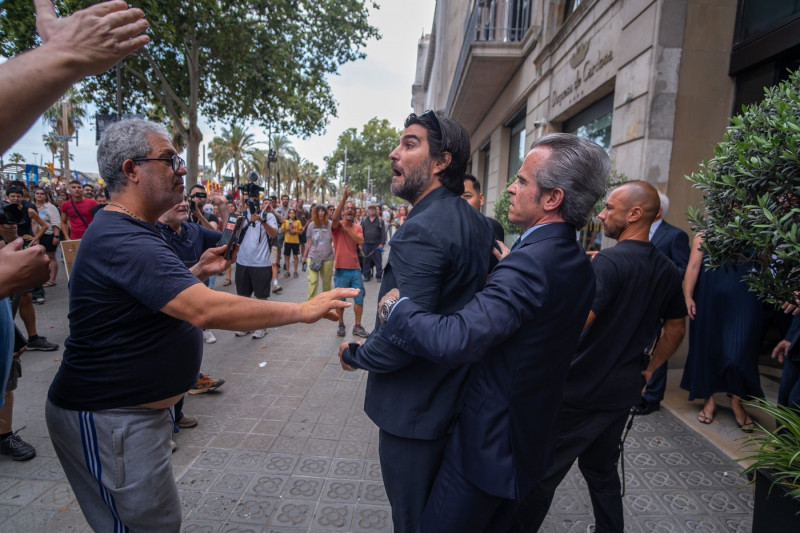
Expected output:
(723, 337)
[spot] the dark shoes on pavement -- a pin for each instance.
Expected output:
(342, 331)
(18, 449)
(359, 330)
(645, 408)
(40, 343)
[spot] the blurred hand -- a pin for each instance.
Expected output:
(20, 269)
(691, 308)
(780, 350)
(95, 38)
(502, 252)
(345, 346)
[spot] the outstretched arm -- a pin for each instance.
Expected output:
(89, 41)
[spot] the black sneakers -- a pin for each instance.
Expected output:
(40, 343)
(18, 449)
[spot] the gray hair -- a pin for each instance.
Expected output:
(664, 204)
(123, 140)
(578, 167)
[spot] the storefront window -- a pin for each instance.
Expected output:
(516, 152)
(594, 122)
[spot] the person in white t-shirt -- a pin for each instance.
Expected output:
(253, 262)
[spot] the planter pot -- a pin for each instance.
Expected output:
(774, 510)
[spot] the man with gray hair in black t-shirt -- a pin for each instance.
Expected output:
(135, 343)
(637, 287)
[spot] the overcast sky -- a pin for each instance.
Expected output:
(378, 86)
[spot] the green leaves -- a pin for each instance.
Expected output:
(752, 194)
(367, 156)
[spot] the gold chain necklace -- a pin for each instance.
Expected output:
(126, 210)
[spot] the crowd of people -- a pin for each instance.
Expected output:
(491, 370)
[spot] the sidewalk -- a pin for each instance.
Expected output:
(286, 447)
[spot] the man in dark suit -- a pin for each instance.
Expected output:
(442, 265)
(520, 330)
(474, 197)
(674, 243)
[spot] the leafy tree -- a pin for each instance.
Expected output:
(262, 60)
(16, 158)
(751, 192)
(367, 156)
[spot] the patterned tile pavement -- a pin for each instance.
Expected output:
(286, 447)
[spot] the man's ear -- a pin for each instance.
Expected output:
(130, 169)
(635, 213)
(553, 199)
(442, 162)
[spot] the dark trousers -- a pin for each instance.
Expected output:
(592, 437)
(457, 506)
(789, 391)
(654, 393)
(372, 257)
(409, 467)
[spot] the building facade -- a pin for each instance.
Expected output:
(652, 81)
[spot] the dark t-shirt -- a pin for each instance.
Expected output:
(192, 241)
(637, 286)
(122, 351)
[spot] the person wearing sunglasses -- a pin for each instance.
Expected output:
(440, 266)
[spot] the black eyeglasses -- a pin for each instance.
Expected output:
(176, 161)
(430, 113)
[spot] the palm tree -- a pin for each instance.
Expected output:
(235, 146)
(324, 184)
(306, 176)
(286, 164)
(53, 116)
(51, 144)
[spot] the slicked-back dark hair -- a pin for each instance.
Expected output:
(448, 137)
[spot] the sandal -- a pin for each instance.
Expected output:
(49, 284)
(703, 418)
(227, 282)
(295, 274)
(748, 425)
(286, 275)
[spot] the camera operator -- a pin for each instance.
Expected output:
(253, 268)
(197, 199)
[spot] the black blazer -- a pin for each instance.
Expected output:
(439, 257)
(522, 330)
(674, 243)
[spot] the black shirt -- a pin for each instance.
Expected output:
(637, 286)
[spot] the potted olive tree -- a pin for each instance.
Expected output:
(751, 212)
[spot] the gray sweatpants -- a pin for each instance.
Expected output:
(118, 462)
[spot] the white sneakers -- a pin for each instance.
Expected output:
(257, 334)
(209, 337)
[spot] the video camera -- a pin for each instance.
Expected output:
(252, 189)
(10, 213)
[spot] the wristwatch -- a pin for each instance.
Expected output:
(385, 309)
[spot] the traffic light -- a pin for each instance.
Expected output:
(51, 168)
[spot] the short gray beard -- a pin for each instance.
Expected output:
(414, 183)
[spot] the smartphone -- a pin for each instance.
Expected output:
(234, 240)
(227, 231)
